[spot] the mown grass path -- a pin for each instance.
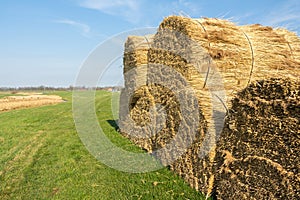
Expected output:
(42, 157)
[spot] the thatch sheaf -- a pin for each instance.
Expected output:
(259, 67)
(258, 151)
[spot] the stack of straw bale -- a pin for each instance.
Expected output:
(249, 63)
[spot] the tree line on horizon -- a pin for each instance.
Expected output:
(70, 88)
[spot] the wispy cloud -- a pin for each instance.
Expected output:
(142, 11)
(286, 15)
(185, 7)
(83, 28)
(128, 9)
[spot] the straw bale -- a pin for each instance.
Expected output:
(199, 50)
(258, 153)
(135, 60)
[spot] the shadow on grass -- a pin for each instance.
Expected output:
(114, 124)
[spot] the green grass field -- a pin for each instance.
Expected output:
(42, 157)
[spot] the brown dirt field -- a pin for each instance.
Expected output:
(29, 100)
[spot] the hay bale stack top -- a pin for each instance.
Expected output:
(241, 53)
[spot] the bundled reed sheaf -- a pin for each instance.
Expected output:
(258, 153)
(256, 67)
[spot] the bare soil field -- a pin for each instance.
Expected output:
(28, 100)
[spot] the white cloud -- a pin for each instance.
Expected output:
(83, 28)
(286, 15)
(129, 9)
(108, 4)
(185, 7)
(142, 11)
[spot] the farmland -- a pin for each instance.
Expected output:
(42, 157)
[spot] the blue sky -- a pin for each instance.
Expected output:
(45, 42)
